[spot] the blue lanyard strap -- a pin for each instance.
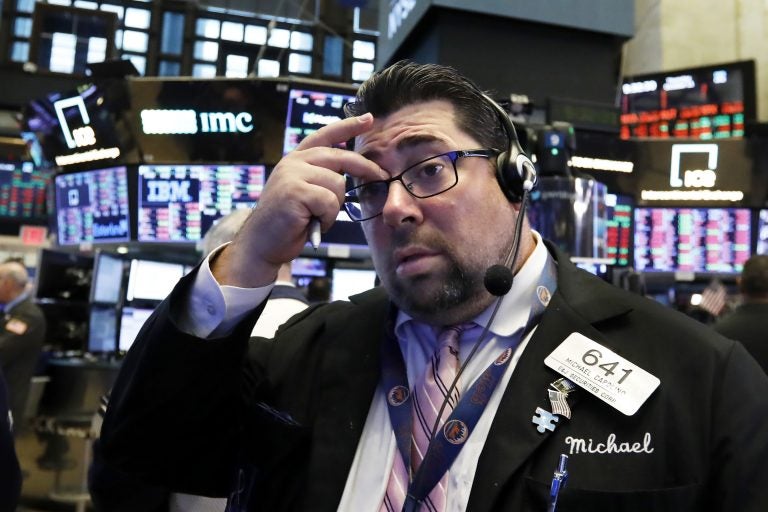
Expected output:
(450, 439)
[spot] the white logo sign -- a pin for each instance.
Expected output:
(79, 137)
(701, 178)
(184, 122)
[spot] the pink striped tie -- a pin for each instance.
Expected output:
(428, 396)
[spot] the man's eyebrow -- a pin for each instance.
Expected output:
(406, 143)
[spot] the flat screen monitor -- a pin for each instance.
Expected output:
(107, 281)
(131, 321)
(762, 232)
(82, 126)
(349, 281)
(150, 280)
(102, 330)
(709, 102)
(692, 239)
(309, 109)
(202, 120)
(179, 203)
(313, 267)
(92, 206)
(63, 275)
(22, 192)
(618, 229)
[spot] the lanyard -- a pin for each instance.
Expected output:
(448, 441)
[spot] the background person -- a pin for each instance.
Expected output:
(316, 410)
(22, 335)
(748, 323)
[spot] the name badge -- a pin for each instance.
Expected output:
(620, 383)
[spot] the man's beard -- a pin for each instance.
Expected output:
(459, 288)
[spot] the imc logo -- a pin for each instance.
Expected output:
(185, 122)
(687, 175)
(78, 137)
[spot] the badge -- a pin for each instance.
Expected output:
(616, 381)
(16, 326)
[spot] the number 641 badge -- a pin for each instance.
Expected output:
(602, 372)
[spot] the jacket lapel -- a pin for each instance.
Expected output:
(576, 306)
(350, 373)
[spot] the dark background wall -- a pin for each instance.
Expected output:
(516, 56)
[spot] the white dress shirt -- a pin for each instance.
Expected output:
(215, 310)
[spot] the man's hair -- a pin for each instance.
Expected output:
(754, 277)
(223, 230)
(16, 272)
(405, 83)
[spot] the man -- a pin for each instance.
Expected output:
(748, 323)
(21, 337)
(333, 413)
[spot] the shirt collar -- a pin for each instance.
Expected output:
(515, 305)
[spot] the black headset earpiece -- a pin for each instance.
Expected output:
(514, 170)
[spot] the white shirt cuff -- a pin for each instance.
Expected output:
(214, 310)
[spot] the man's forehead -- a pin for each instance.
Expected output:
(412, 126)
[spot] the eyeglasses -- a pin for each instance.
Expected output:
(427, 178)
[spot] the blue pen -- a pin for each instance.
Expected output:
(558, 482)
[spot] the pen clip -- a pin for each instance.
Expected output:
(558, 481)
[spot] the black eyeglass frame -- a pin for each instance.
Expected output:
(351, 196)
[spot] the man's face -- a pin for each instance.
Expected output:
(6, 289)
(431, 254)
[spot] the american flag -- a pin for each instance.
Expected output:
(714, 297)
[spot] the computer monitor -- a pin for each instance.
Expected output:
(708, 102)
(22, 192)
(102, 330)
(131, 321)
(150, 280)
(692, 239)
(107, 281)
(309, 109)
(350, 281)
(618, 235)
(312, 267)
(762, 232)
(179, 203)
(63, 276)
(92, 206)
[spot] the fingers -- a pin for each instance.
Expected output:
(336, 160)
(337, 132)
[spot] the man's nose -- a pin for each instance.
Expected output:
(400, 205)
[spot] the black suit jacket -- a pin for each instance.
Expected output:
(20, 353)
(10, 479)
(181, 414)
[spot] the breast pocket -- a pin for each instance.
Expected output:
(571, 499)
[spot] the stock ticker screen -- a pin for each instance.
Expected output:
(310, 110)
(22, 191)
(92, 206)
(179, 203)
(706, 103)
(618, 229)
(692, 239)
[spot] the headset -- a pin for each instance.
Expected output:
(515, 172)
